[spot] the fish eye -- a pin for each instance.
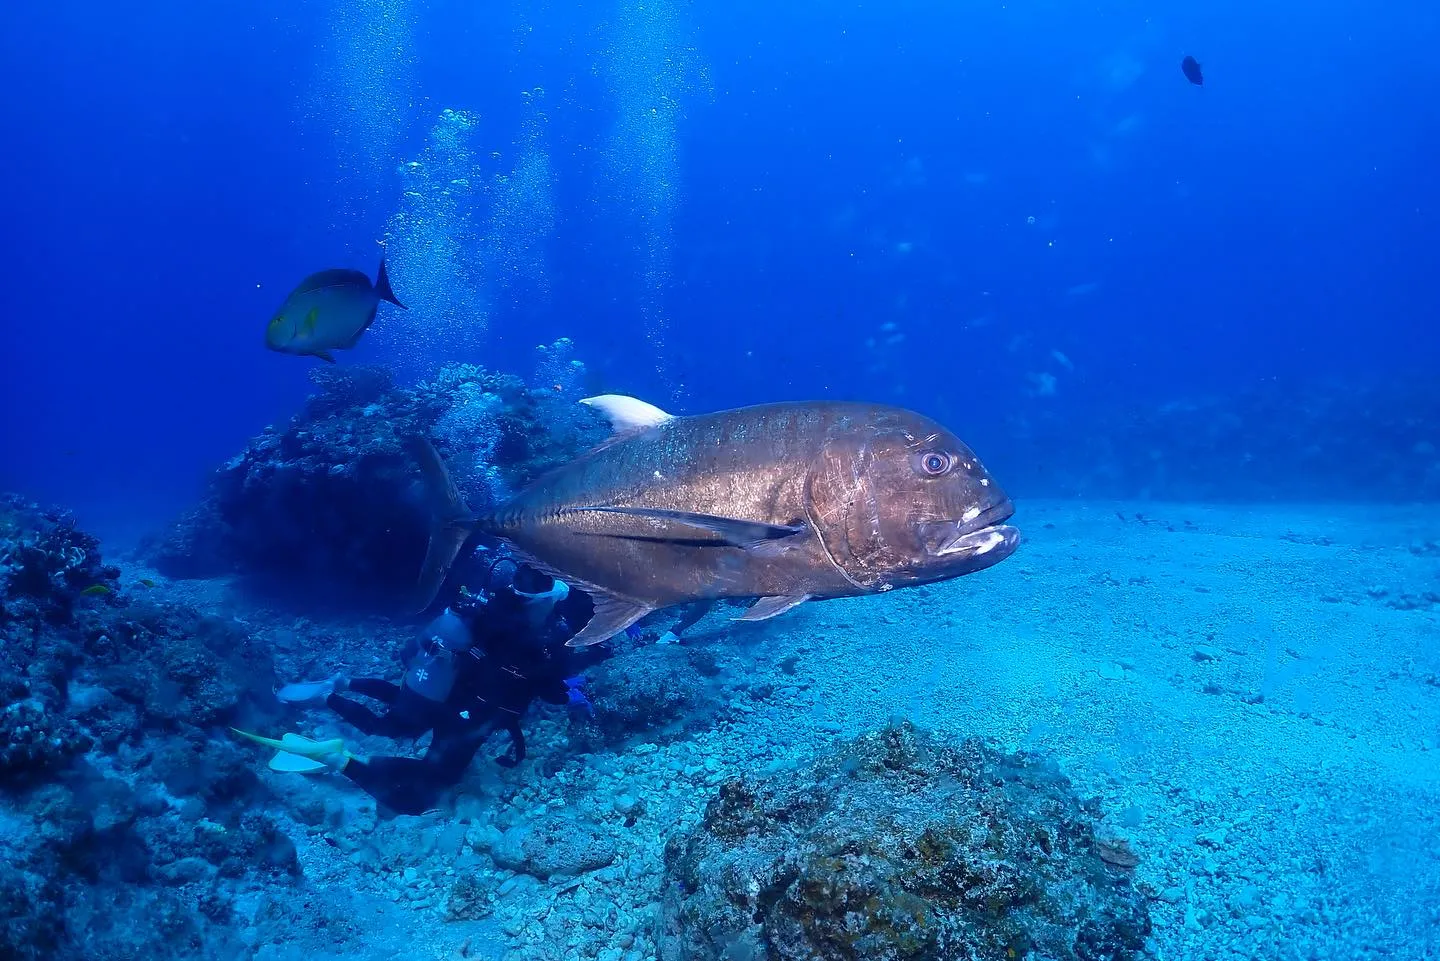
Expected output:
(935, 462)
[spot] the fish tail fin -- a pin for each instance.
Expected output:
(382, 287)
(453, 522)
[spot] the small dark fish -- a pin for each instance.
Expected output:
(781, 502)
(328, 311)
(1191, 68)
(96, 590)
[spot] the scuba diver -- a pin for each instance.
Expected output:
(476, 669)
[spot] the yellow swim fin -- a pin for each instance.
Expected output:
(298, 754)
(296, 764)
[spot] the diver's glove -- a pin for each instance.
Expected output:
(578, 702)
(516, 754)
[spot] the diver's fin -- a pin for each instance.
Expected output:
(612, 615)
(296, 763)
(382, 288)
(299, 754)
(768, 607)
(324, 355)
(740, 533)
(627, 414)
(453, 522)
(302, 692)
(296, 743)
(259, 739)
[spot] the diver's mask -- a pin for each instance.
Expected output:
(525, 583)
(539, 605)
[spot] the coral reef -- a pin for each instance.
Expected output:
(898, 846)
(47, 564)
(329, 505)
(121, 809)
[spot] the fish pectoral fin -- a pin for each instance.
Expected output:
(751, 535)
(324, 355)
(612, 615)
(768, 607)
(627, 414)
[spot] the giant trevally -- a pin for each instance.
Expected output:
(782, 502)
(328, 311)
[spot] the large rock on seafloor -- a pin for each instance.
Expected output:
(328, 506)
(899, 847)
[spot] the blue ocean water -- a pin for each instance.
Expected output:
(1190, 328)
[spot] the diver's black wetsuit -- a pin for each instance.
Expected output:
(497, 680)
(407, 713)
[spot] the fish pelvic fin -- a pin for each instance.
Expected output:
(452, 525)
(768, 607)
(324, 355)
(382, 288)
(612, 615)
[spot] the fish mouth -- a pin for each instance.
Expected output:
(974, 544)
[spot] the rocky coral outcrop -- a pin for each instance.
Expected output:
(121, 809)
(47, 565)
(332, 500)
(655, 689)
(898, 847)
(555, 846)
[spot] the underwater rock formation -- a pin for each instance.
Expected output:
(658, 689)
(331, 499)
(898, 847)
(122, 813)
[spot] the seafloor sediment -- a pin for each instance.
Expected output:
(1247, 699)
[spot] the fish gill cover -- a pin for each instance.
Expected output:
(1182, 318)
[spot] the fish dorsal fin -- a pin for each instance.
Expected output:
(332, 278)
(627, 414)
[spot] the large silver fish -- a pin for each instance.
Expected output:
(782, 502)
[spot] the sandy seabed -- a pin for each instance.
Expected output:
(1252, 693)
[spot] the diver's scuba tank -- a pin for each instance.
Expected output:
(430, 672)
